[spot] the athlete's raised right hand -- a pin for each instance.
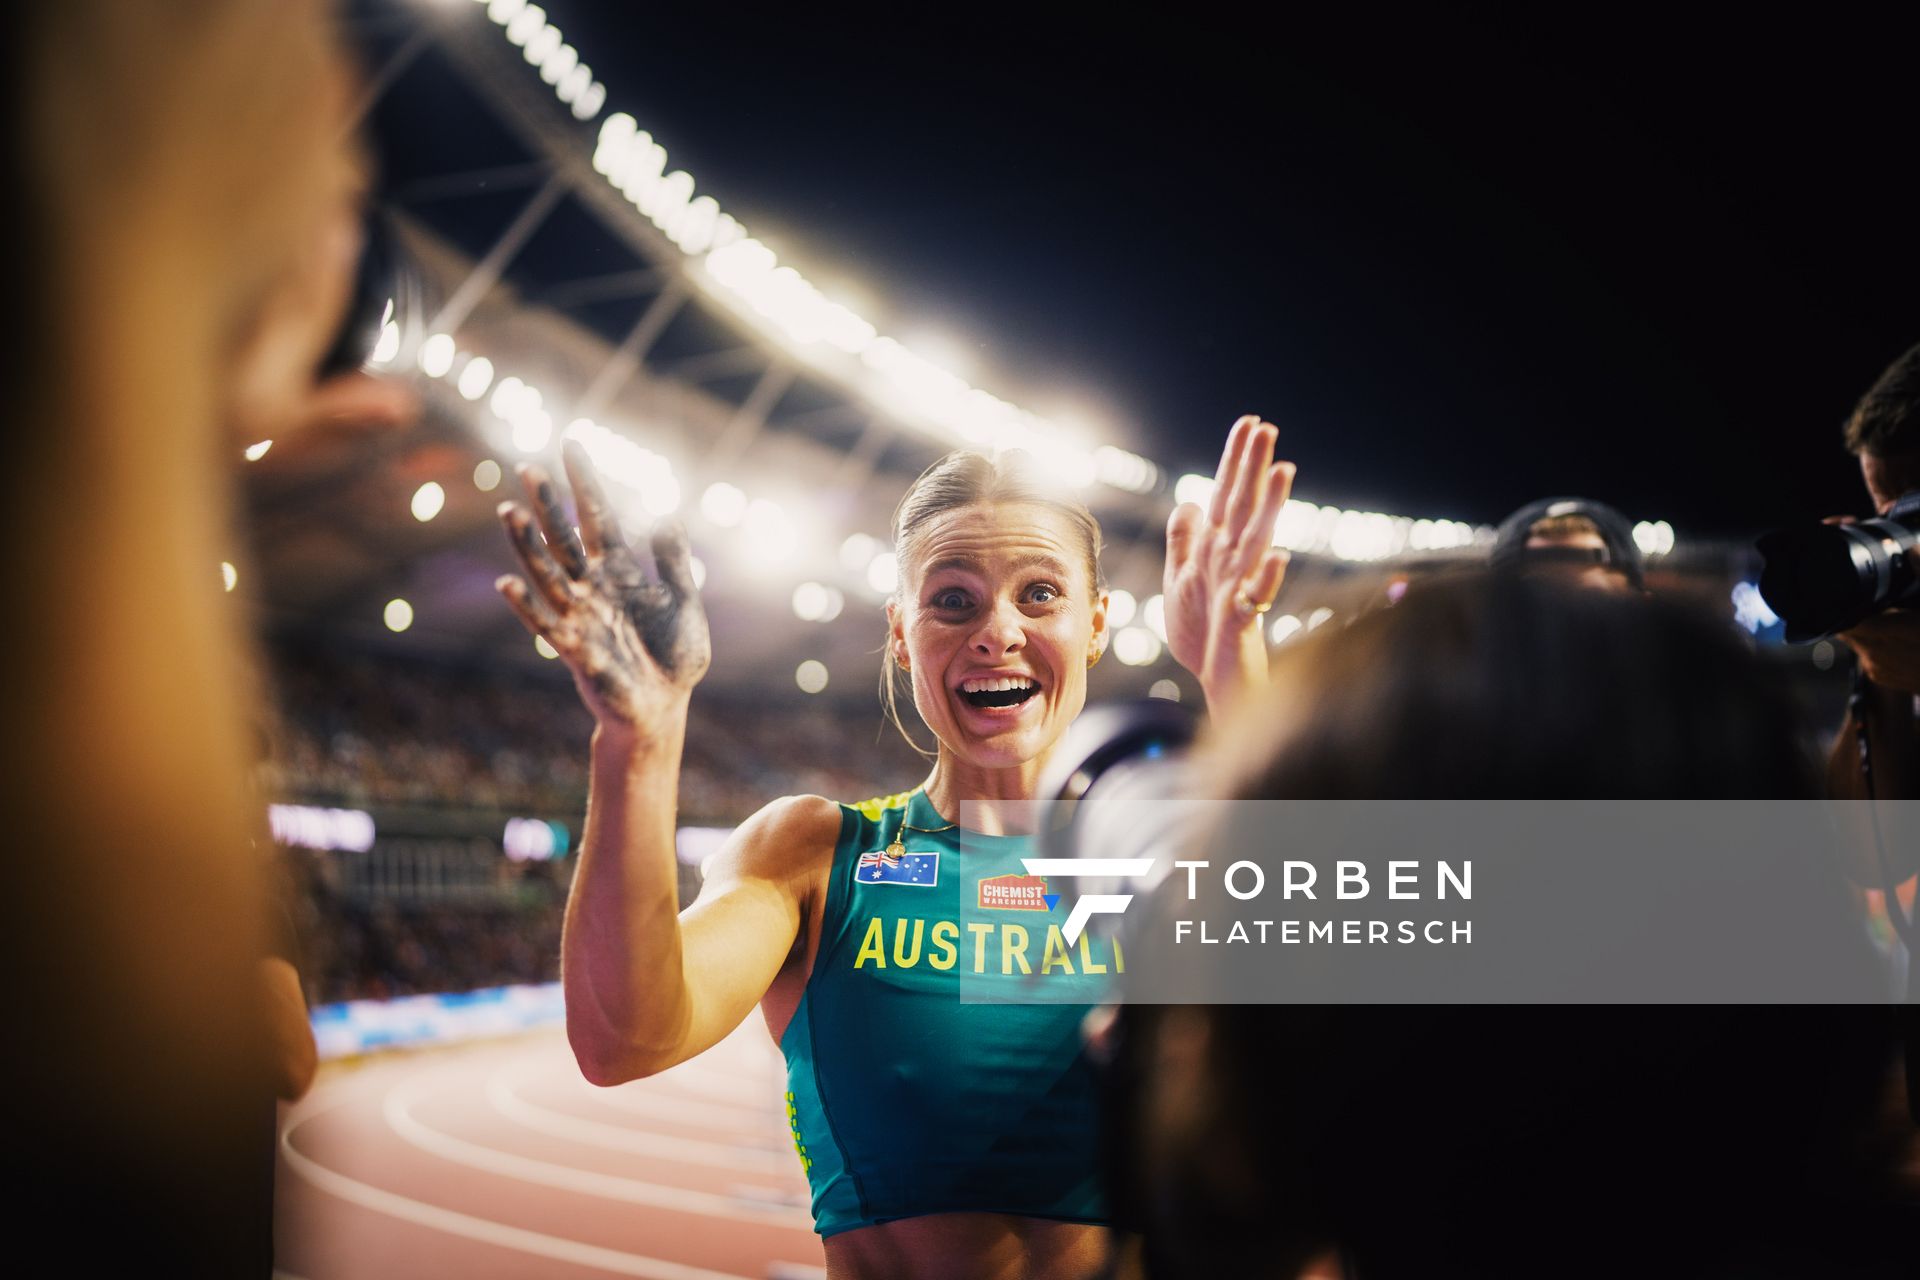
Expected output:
(636, 646)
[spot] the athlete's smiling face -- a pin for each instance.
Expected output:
(997, 619)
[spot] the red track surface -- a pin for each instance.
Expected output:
(497, 1159)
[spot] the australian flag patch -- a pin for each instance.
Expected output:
(891, 866)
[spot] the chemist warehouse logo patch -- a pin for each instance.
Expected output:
(1016, 893)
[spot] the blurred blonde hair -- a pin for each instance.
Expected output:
(172, 159)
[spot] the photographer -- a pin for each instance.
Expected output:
(1877, 752)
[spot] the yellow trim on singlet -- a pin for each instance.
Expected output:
(872, 809)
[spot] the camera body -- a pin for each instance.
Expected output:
(1825, 578)
(1117, 785)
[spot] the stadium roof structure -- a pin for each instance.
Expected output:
(574, 284)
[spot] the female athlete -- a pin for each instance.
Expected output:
(939, 1138)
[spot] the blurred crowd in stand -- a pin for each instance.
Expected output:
(363, 730)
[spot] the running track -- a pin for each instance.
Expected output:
(498, 1160)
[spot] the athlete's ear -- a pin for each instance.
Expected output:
(1098, 645)
(896, 635)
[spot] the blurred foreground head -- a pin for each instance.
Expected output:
(1523, 1141)
(184, 173)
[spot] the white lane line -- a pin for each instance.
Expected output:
(397, 1109)
(484, 1230)
(639, 1099)
(595, 1133)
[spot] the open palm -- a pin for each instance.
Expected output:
(1223, 570)
(636, 647)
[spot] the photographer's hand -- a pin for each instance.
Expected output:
(635, 647)
(1888, 646)
(1223, 570)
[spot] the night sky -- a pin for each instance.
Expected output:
(1462, 265)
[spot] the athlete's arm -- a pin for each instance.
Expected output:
(1223, 570)
(642, 990)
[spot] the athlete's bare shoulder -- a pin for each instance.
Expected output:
(785, 841)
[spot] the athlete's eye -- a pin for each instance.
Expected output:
(952, 598)
(1042, 593)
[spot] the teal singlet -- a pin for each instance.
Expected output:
(906, 1101)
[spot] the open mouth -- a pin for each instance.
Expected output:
(1004, 691)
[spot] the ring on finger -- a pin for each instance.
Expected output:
(1248, 607)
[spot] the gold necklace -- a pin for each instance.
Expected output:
(896, 849)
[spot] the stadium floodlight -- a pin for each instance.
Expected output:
(1653, 537)
(1153, 615)
(1194, 488)
(504, 11)
(857, 552)
(475, 378)
(428, 499)
(574, 83)
(810, 602)
(386, 348)
(1136, 646)
(1318, 616)
(486, 476)
(1285, 628)
(524, 24)
(544, 649)
(436, 355)
(398, 615)
(229, 576)
(559, 64)
(641, 471)
(532, 431)
(769, 531)
(1120, 607)
(543, 45)
(1165, 689)
(256, 451)
(883, 573)
(811, 676)
(723, 504)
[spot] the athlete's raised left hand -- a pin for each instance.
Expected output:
(1223, 570)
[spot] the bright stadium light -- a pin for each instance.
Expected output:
(835, 603)
(1197, 489)
(883, 573)
(811, 676)
(769, 531)
(486, 476)
(229, 576)
(475, 378)
(1165, 689)
(255, 452)
(723, 504)
(504, 11)
(1153, 615)
(559, 64)
(1653, 537)
(545, 650)
(398, 615)
(532, 431)
(699, 570)
(1136, 646)
(809, 601)
(1120, 607)
(1286, 627)
(857, 552)
(1318, 616)
(436, 355)
(387, 347)
(428, 499)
